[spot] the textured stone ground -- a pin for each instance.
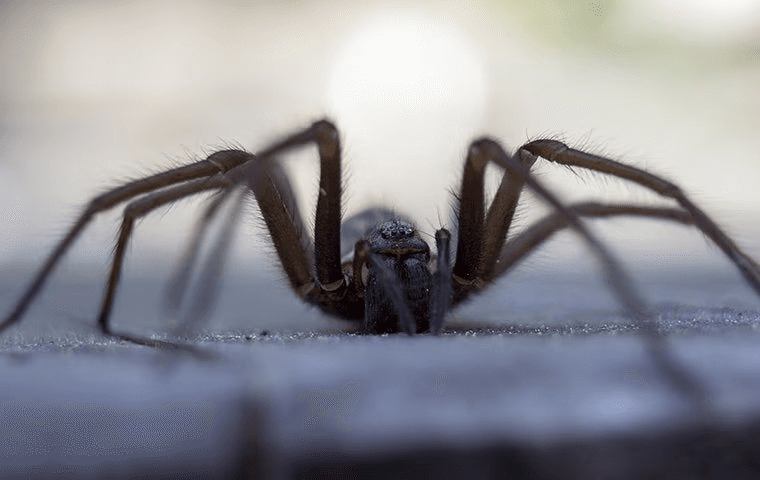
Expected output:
(562, 387)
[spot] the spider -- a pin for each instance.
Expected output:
(393, 283)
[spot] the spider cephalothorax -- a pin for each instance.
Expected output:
(403, 253)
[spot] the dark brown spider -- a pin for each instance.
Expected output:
(393, 283)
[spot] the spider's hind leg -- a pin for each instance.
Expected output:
(218, 162)
(528, 240)
(558, 152)
(204, 296)
(132, 212)
(179, 280)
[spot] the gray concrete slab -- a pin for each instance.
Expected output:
(561, 387)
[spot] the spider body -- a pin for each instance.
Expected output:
(393, 282)
(388, 278)
(397, 245)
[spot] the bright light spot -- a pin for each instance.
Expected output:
(407, 88)
(407, 68)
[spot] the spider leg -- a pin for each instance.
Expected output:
(481, 236)
(134, 211)
(275, 197)
(558, 152)
(215, 163)
(272, 190)
(276, 201)
(177, 286)
(484, 150)
(528, 240)
(677, 375)
(205, 292)
(442, 289)
(617, 278)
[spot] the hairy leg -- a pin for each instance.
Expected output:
(617, 278)
(218, 162)
(558, 152)
(179, 280)
(136, 210)
(528, 240)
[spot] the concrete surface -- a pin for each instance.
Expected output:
(561, 387)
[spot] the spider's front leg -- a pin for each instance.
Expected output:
(517, 172)
(339, 292)
(482, 235)
(477, 267)
(327, 286)
(400, 291)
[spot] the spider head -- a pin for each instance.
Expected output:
(398, 238)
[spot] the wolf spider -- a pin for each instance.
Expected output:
(393, 283)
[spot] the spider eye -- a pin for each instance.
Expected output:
(395, 230)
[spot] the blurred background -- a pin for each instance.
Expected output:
(95, 93)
